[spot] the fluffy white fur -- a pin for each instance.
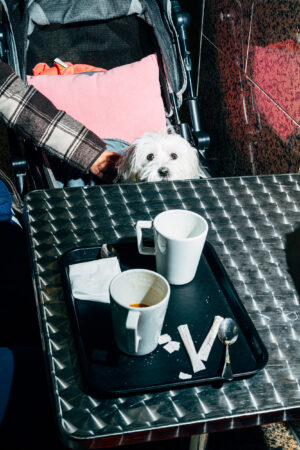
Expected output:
(159, 157)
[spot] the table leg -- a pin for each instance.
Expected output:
(198, 441)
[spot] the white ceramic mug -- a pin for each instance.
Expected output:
(179, 237)
(137, 328)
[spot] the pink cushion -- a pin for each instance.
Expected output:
(122, 103)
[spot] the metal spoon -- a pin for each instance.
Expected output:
(228, 334)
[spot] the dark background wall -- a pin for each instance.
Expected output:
(249, 83)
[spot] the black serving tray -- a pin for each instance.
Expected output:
(108, 371)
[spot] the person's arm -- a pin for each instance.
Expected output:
(33, 116)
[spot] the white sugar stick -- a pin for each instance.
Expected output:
(207, 344)
(172, 346)
(184, 376)
(164, 338)
(187, 340)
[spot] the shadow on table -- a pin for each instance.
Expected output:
(292, 250)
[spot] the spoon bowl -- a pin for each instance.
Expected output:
(227, 334)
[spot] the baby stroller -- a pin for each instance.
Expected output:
(105, 34)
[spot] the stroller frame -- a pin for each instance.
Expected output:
(175, 60)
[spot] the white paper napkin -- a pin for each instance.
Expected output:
(90, 280)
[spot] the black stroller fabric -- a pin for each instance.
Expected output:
(80, 42)
(28, 23)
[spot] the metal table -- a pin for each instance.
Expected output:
(253, 227)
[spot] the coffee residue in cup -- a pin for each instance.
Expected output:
(139, 305)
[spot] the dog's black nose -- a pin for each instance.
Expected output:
(163, 171)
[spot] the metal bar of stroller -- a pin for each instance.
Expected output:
(18, 162)
(181, 22)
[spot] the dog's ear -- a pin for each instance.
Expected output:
(126, 165)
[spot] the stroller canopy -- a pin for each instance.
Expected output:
(24, 17)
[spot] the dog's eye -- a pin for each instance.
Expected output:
(150, 157)
(174, 156)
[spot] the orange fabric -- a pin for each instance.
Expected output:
(57, 69)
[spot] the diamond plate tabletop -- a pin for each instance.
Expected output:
(253, 225)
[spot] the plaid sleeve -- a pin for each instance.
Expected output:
(33, 116)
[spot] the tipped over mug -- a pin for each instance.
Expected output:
(179, 237)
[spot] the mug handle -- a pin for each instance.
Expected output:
(143, 250)
(132, 338)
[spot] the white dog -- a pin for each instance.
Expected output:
(159, 157)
